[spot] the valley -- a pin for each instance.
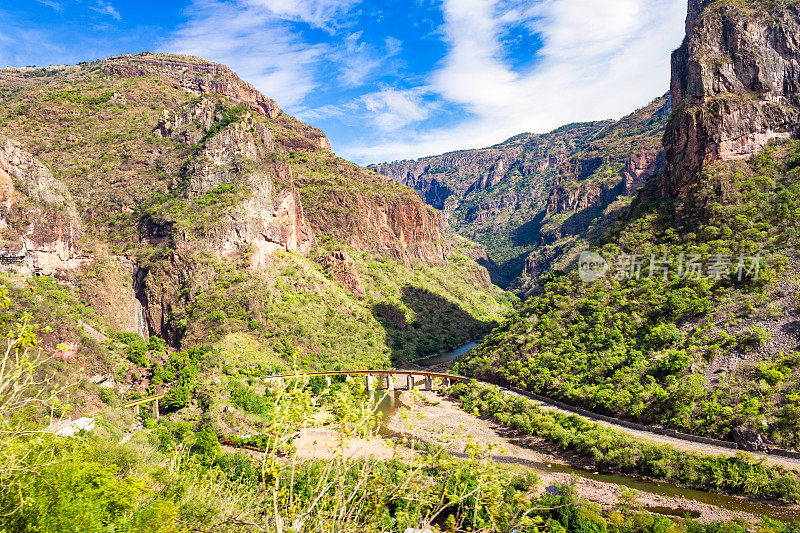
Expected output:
(199, 299)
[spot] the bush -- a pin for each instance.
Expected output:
(245, 398)
(612, 448)
(177, 398)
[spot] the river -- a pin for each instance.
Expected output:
(389, 405)
(448, 356)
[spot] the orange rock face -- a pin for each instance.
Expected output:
(735, 86)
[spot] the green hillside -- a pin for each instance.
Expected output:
(709, 354)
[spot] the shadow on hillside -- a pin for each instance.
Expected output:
(495, 272)
(436, 325)
(511, 270)
(530, 232)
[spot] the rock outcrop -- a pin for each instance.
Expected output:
(735, 85)
(399, 226)
(340, 267)
(193, 74)
(199, 76)
(237, 152)
(454, 175)
(38, 215)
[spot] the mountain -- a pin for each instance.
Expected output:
(167, 196)
(540, 193)
(689, 316)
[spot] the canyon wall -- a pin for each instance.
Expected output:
(534, 191)
(172, 172)
(735, 82)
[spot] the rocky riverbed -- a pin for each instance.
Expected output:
(429, 417)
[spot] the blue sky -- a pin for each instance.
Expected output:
(387, 79)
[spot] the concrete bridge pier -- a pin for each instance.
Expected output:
(348, 378)
(428, 383)
(155, 410)
(136, 410)
(410, 382)
(370, 382)
(389, 382)
(328, 380)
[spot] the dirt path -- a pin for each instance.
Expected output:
(442, 421)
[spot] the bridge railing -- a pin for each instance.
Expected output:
(369, 374)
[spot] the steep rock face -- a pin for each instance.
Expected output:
(399, 226)
(340, 266)
(37, 213)
(735, 82)
(235, 151)
(460, 173)
(636, 170)
(366, 210)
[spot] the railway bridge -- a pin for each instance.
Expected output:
(374, 379)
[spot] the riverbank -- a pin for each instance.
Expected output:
(432, 418)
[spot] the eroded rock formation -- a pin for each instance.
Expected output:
(38, 215)
(735, 82)
(340, 267)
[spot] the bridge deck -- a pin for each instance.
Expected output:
(371, 372)
(140, 401)
(134, 403)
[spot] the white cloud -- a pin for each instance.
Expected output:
(53, 4)
(106, 8)
(598, 60)
(392, 108)
(260, 40)
(387, 110)
(21, 46)
(393, 46)
(250, 38)
(360, 60)
(323, 14)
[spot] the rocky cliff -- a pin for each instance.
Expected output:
(370, 212)
(156, 178)
(193, 74)
(199, 76)
(39, 222)
(735, 82)
(534, 191)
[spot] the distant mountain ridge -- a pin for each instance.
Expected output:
(539, 193)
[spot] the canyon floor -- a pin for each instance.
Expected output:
(429, 417)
